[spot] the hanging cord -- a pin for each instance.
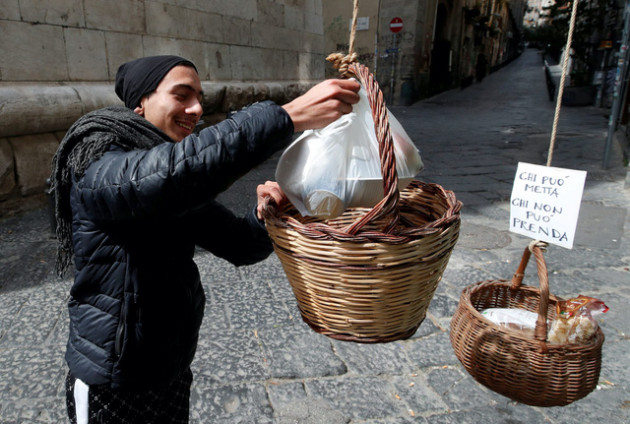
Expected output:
(565, 63)
(349, 66)
(339, 60)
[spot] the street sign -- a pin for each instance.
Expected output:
(396, 25)
(363, 24)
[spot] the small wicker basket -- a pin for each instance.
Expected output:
(525, 369)
(369, 275)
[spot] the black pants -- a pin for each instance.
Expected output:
(165, 405)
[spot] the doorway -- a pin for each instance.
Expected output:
(440, 70)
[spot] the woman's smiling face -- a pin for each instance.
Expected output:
(175, 105)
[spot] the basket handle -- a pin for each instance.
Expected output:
(537, 248)
(388, 206)
(348, 65)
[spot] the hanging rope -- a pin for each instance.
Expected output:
(554, 130)
(565, 63)
(339, 60)
(349, 66)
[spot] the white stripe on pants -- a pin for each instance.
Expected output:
(81, 401)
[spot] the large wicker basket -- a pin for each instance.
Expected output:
(369, 274)
(525, 369)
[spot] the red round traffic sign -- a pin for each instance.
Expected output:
(396, 25)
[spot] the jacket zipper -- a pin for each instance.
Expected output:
(120, 331)
(119, 335)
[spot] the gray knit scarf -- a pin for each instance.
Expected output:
(85, 142)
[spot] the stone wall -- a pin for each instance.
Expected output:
(394, 59)
(86, 40)
(337, 27)
(59, 60)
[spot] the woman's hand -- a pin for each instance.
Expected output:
(269, 189)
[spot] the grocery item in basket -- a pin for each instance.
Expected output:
(512, 318)
(574, 321)
(326, 171)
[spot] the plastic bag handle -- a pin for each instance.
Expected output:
(537, 248)
(388, 206)
(337, 126)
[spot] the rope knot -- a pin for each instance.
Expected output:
(539, 244)
(342, 62)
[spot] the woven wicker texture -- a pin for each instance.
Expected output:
(526, 369)
(369, 274)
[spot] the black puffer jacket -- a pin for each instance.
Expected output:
(137, 302)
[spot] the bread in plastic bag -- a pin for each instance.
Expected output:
(574, 321)
(326, 171)
(512, 318)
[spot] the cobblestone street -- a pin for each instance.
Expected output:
(258, 362)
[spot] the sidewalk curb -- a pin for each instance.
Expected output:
(621, 137)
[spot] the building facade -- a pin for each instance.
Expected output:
(438, 46)
(59, 60)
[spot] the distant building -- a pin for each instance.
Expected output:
(536, 15)
(417, 48)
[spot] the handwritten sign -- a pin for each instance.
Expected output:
(545, 203)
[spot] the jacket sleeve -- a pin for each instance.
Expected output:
(239, 240)
(173, 179)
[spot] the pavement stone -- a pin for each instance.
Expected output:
(258, 362)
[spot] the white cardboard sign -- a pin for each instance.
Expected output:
(545, 203)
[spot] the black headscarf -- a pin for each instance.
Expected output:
(141, 76)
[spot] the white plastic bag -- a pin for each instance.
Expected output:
(326, 171)
(513, 318)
